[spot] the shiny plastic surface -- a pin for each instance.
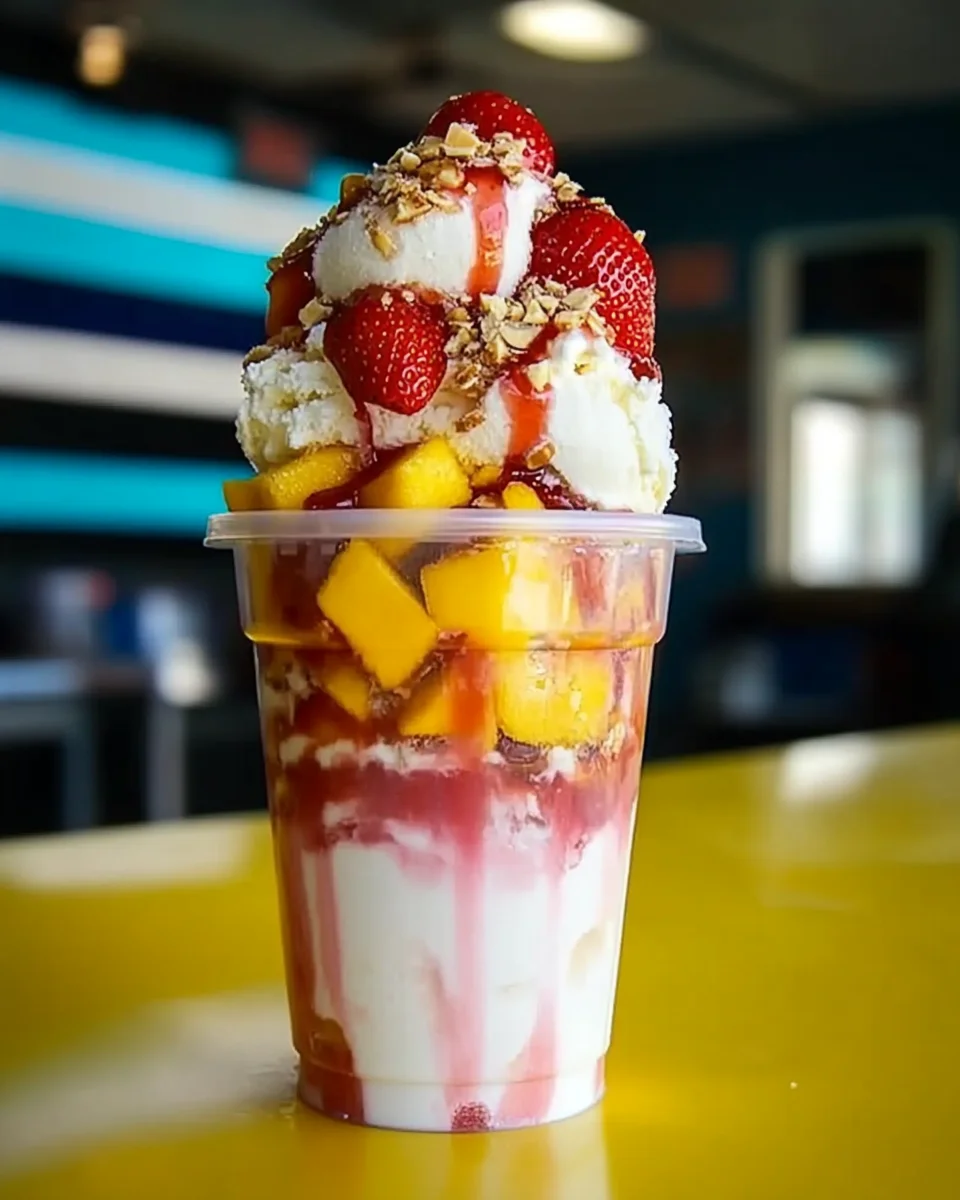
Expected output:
(787, 1022)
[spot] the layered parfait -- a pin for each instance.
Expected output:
(453, 725)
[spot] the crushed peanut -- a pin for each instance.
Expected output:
(314, 312)
(539, 375)
(306, 238)
(352, 188)
(518, 336)
(540, 455)
(382, 242)
(460, 142)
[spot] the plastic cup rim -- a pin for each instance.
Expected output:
(683, 534)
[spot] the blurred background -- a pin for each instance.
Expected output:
(797, 166)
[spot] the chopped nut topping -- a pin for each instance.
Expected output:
(567, 319)
(596, 324)
(382, 242)
(258, 354)
(581, 299)
(290, 337)
(517, 336)
(535, 313)
(539, 456)
(460, 142)
(470, 377)
(495, 305)
(313, 312)
(306, 238)
(539, 375)
(497, 350)
(410, 208)
(459, 342)
(442, 201)
(430, 147)
(470, 421)
(640, 235)
(408, 160)
(460, 316)
(352, 188)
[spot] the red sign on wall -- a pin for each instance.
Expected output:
(690, 278)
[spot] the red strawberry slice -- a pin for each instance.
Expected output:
(586, 247)
(490, 113)
(291, 286)
(388, 349)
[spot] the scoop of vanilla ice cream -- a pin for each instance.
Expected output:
(294, 400)
(435, 251)
(610, 431)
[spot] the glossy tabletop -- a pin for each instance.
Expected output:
(788, 1022)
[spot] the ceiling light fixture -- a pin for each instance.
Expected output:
(102, 55)
(576, 30)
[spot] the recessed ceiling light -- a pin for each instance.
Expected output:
(577, 30)
(102, 55)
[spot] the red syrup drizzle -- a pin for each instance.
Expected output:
(488, 201)
(527, 409)
(290, 287)
(455, 814)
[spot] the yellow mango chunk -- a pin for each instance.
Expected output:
(316, 471)
(501, 595)
(454, 703)
(344, 682)
(554, 697)
(519, 495)
(243, 495)
(377, 613)
(425, 476)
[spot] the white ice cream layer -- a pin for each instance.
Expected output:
(610, 432)
(538, 939)
(294, 400)
(437, 251)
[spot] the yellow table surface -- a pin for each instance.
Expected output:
(788, 1022)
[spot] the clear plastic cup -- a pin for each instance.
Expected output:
(453, 708)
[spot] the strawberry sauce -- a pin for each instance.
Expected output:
(474, 837)
(291, 287)
(488, 200)
(527, 410)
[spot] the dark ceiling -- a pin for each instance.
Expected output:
(367, 71)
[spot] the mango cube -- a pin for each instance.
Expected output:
(243, 495)
(377, 613)
(316, 471)
(520, 495)
(425, 476)
(344, 682)
(554, 697)
(501, 595)
(453, 703)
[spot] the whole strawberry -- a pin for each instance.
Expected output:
(490, 113)
(387, 346)
(587, 247)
